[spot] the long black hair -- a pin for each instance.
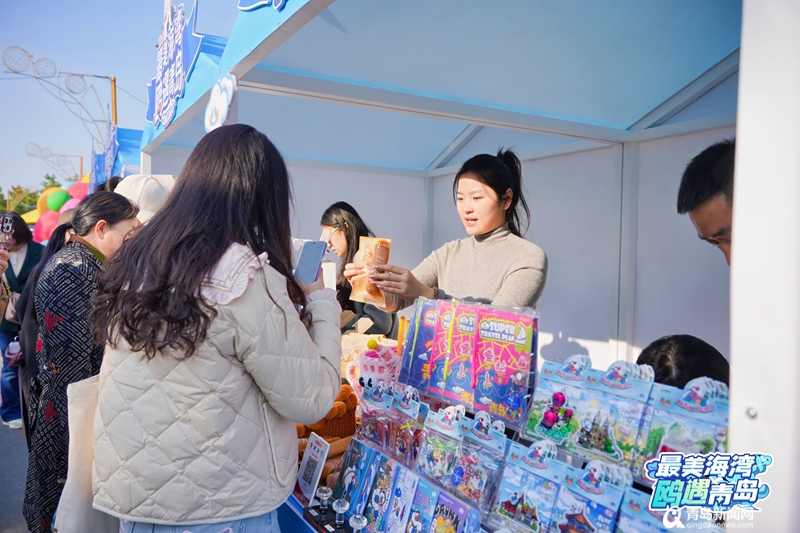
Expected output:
(108, 206)
(501, 173)
(234, 188)
(345, 218)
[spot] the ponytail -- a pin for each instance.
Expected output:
(501, 173)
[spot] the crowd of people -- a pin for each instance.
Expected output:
(207, 348)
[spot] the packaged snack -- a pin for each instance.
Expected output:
(356, 474)
(372, 252)
(405, 486)
(529, 485)
(555, 401)
(376, 416)
(415, 369)
(381, 494)
(610, 412)
(478, 466)
(459, 372)
(503, 355)
(586, 501)
(442, 344)
(441, 443)
(449, 515)
(421, 513)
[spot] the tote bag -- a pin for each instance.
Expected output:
(75, 511)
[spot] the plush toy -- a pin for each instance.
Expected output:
(345, 401)
(377, 363)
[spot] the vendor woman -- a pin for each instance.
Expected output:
(494, 264)
(343, 228)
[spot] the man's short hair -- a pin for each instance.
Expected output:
(678, 359)
(707, 175)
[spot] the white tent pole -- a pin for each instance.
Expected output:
(765, 277)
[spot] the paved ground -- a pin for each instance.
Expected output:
(13, 465)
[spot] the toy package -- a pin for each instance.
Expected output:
(503, 362)
(690, 420)
(555, 401)
(356, 474)
(381, 493)
(459, 370)
(421, 513)
(441, 444)
(442, 346)
(376, 364)
(415, 369)
(610, 412)
(372, 252)
(405, 486)
(586, 501)
(529, 485)
(477, 469)
(449, 515)
(636, 517)
(406, 431)
(375, 416)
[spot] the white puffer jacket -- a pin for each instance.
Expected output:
(212, 438)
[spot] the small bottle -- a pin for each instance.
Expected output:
(324, 495)
(341, 507)
(358, 522)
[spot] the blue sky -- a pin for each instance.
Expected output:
(88, 36)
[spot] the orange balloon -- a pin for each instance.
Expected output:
(41, 203)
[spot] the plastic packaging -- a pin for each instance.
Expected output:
(372, 252)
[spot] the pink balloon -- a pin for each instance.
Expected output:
(44, 226)
(549, 419)
(72, 203)
(79, 190)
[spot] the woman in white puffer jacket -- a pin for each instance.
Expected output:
(208, 363)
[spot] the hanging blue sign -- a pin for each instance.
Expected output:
(110, 149)
(249, 5)
(178, 47)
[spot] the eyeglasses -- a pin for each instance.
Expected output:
(327, 234)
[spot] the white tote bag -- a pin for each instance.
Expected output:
(75, 511)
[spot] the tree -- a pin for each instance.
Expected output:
(22, 199)
(49, 181)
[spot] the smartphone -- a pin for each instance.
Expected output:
(6, 229)
(310, 261)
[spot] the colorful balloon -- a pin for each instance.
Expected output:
(41, 203)
(57, 199)
(44, 226)
(79, 190)
(72, 203)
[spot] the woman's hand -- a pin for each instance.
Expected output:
(352, 270)
(400, 282)
(3, 260)
(318, 284)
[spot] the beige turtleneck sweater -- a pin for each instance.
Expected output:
(497, 268)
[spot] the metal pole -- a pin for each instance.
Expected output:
(114, 100)
(81, 172)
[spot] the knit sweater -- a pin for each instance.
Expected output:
(497, 268)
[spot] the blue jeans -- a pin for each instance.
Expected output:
(9, 383)
(266, 523)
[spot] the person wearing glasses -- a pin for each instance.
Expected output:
(342, 227)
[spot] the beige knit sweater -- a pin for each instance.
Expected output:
(498, 268)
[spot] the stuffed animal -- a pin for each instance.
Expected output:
(377, 363)
(345, 401)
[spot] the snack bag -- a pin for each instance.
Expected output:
(503, 357)
(371, 252)
(459, 371)
(442, 337)
(416, 367)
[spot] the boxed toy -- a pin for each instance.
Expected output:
(442, 343)
(415, 369)
(422, 507)
(381, 493)
(405, 487)
(356, 476)
(586, 501)
(459, 370)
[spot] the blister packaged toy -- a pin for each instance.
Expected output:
(459, 370)
(586, 501)
(441, 444)
(442, 346)
(478, 467)
(415, 369)
(529, 485)
(375, 416)
(555, 401)
(504, 342)
(693, 420)
(372, 252)
(406, 430)
(405, 487)
(381, 494)
(356, 475)
(610, 412)
(421, 513)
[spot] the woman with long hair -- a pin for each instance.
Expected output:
(495, 264)
(344, 227)
(64, 283)
(213, 350)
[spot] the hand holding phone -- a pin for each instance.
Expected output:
(308, 266)
(6, 230)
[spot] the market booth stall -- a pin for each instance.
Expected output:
(379, 104)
